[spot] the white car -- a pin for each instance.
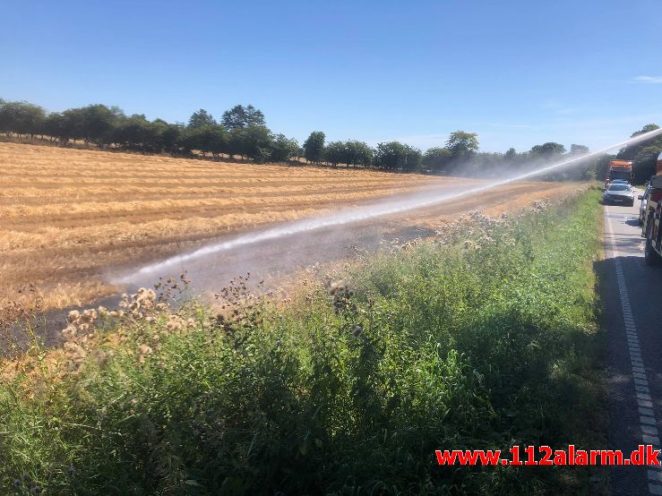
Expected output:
(618, 194)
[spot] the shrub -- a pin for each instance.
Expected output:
(483, 338)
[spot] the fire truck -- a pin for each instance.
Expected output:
(652, 227)
(619, 169)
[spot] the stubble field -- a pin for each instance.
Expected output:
(67, 215)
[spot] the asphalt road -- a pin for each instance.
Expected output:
(630, 293)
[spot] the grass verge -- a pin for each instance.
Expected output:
(484, 339)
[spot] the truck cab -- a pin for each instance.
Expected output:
(619, 169)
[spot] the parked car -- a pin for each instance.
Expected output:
(618, 194)
(644, 203)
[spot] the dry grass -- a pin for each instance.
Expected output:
(67, 214)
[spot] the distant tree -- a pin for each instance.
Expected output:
(646, 129)
(216, 140)
(73, 124)
(462, 145)
(96, 122)
(547, 151)
(412, 158)
(201, 118)
(169, 135)
(578, 150)
(389, 155)
(357, 153)
(335, 153)
(437, 158)
(21, 118)
(137, 133)
(645, 162)
(485, 163)
(242, 117)
(314, 147)
(283, 148)
(643, 154)
(258, 143)
(395, 155)
(55, 127)
(236, 142)
(513, 159)
(211, 138)
(253, 142)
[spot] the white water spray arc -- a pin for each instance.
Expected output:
(356, 214)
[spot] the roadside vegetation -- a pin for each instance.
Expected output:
(482, 338)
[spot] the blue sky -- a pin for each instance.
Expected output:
(518, 73)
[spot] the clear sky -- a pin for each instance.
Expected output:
(518, 73)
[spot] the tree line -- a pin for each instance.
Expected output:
(242, 131)
(643, 155)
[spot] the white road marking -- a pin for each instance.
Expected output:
(647, 420)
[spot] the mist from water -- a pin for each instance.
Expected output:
(378, 209)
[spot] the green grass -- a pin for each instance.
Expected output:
(486, 340)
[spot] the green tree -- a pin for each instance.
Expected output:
(55, 126)
(236, 142)
(462, 145)
(258, 143)
(389, 155)
(358, 153)
(283, 148)
(96, 122)
(513, 159)
(21, 118)
(645, 162)
(201, 118)
(313, 147)
(254, 142)
(169, 135)
(547, 151)
(137, 133)
(395, 155)
(335, 153)
(633, 151)
(73, 124)
(437, 158)
(412, 158)
(210, 138)
(239, 117)
(578, 150)
(646, 129)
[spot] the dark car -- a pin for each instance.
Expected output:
(618, 194)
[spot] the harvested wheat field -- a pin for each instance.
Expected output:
(68, 215)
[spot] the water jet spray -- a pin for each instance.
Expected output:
(350, 215)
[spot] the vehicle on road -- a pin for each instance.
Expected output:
(643, 204)
(618, 194)
(619, 170)
(651, 227)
